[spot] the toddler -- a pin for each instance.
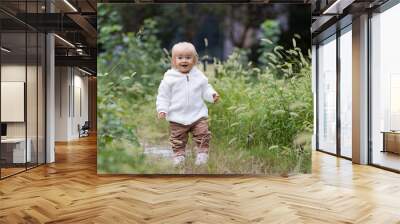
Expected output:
(180, 100)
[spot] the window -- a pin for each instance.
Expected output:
(327, 95)
(346, 92)
(385, 88)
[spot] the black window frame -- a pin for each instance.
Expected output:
(338, 29)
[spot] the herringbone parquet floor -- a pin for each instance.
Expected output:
(70, 191)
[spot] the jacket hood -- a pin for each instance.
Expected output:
(175, 73)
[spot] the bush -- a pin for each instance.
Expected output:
(130, 68)
(263, 117)
(267, 113)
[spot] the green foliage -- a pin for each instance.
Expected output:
(237, 65)
(268, 113)
(270, 32)
(121, 157)
(287, 63)
(264, 118)
(130, 69)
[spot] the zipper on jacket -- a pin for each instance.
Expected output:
(187, 91)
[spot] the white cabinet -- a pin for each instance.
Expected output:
(18, 149)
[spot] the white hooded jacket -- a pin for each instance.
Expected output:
(181, 96)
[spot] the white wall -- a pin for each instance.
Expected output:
(62, 81)
(33, 126)
(71, 94)
(80, 109)
(14, 72)
(17, 72)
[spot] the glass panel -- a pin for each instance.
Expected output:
(23, 87)
(41, 99)
(327, 96)
(31, 97)
(13, 86)
(346, 94)
(386, 89)
(31, 84)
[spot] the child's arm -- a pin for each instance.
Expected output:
(163, 99)
(209, 94)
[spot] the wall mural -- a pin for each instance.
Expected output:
(204, 89)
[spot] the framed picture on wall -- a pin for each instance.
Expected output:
(204, 89)
(12, 101)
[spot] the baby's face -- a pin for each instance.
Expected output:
(184, 60)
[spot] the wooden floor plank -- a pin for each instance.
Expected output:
(70, 191)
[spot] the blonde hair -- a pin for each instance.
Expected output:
(186, 45)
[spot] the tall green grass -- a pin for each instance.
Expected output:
(267, 120)
(266, 113)
(262, 124)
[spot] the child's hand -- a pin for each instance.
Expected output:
(215, 97)
(161, 115)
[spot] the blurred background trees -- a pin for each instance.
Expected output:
(225, 26)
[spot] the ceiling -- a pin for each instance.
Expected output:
(74, 22)
(330, 15)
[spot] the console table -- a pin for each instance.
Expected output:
(391, 141)
(13, 150)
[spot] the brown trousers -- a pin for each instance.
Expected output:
(179, 134)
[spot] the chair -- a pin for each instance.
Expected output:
(84, 130)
